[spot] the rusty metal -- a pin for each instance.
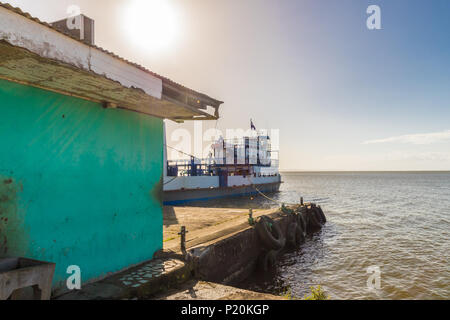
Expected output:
(183, 233)
(17, 274)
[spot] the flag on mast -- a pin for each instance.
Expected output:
(252, 125)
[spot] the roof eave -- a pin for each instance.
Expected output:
(49, 47)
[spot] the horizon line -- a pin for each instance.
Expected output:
(387, 171)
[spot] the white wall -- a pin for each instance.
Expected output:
(204, 182)
(46, 42)
(190, 183)
(241, 181)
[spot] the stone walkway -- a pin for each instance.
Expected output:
(202, 290)
(149, 271)
(138, 282)
(204, 224)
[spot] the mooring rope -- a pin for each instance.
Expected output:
(253, 185)
(182, 152)
(169, 181)
(267, 197)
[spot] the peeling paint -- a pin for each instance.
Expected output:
(77, 191)
(24, 32)
(26, 67)
(49, 43)
(158, 190)
(13, 237)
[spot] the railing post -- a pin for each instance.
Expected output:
(251, 221)
(183, 239)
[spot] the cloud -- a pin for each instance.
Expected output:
(421, 138)
(418, 156)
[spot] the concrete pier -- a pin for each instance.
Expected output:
(202, 290)
(222, 249)
(204, 224)
(231, 258)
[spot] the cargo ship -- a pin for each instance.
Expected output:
(244, 166)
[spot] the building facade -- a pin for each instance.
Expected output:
(81, 150)
(79, 184)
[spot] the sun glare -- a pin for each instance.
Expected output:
(151, 24)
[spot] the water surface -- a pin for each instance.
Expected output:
(399, 222)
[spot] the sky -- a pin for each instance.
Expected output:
(343, 97)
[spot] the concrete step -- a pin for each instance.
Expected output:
(136, 283)
(202, 290)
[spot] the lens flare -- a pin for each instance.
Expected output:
(151, 24)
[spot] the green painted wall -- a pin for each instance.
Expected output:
(79, 184)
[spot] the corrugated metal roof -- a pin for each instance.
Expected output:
(164, 79)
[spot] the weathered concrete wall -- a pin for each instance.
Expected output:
(79, 184)
(46, 42)
(232, 259)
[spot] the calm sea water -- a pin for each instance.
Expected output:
(399, 222)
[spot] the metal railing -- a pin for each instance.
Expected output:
(210, 167)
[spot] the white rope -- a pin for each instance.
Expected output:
(169, 181)
(267, 197)
(182, 152)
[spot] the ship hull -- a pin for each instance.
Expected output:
(178, 197)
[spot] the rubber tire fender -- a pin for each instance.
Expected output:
(291, 235)
(300, 236)
(314, 222)
(323, 218)
(317, 214)
(268, 239)
(267, 260)
(301, 221)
